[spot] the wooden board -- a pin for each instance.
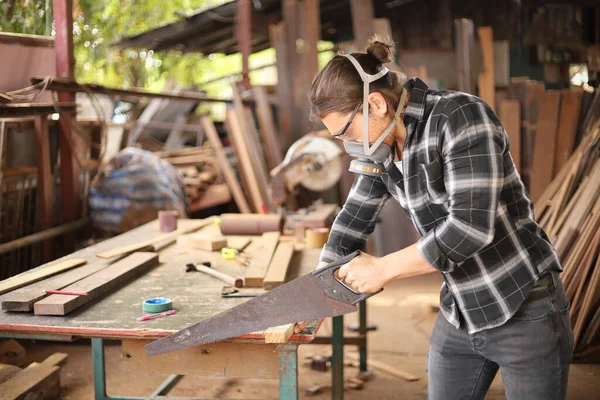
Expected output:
(545, 142)
(267, 127)
(279, 265)
(567, 127)
(34, 382)
(150, 242)
(97, 284)
(486, 78)
(510, 115)
(7, 371)
(232, 182)
(255, 274)
(45, 184)
(27, 278)
(279, 334)
(23, 301)
(216, 359)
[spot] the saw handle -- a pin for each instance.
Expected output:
(334, 288)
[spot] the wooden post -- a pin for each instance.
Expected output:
(464, 54)
(362, 21)
(243, 31)
(277, 34)
(44, 179)
(312, 35)
(65, 67)
(486, 78)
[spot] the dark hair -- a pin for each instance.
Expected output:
(339, 88)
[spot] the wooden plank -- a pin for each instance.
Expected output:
(510, 115)
(567, 127)
(37, 382)
(278, 268)
(277, 36)
(56, 359)
(255, 274)
(486, 81)
(279, 334)
(464, 54)
(23, 301)
(267, 128)
(232, 182)
(238, 360)
(27, 278)
(97, 284)
(204, 242)
(7, 371)
(44, 180)
(362, 21)
(545, 141)
(150, 242)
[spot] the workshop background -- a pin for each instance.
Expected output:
(159, 166)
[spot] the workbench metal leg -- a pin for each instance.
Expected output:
(337, 359)
(99, 370)
(166, 386)
(288, 371)
(362, 330)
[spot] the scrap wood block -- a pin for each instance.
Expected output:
(37, 381)
(279, 334)
(97, 284)
(203, 242)
(7, 371)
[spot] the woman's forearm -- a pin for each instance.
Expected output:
(405, 263)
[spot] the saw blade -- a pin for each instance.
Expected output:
(299, 300)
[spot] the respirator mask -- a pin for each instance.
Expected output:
(370, 157)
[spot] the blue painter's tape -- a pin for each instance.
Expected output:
(158, 304)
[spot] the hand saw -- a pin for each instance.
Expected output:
(313, 296)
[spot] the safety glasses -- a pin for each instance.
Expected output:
(345, 127)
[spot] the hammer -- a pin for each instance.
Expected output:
(206, 268)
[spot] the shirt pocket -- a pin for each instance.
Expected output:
(431, 181)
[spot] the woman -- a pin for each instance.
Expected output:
(444, 156)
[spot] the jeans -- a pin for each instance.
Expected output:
(532, 350)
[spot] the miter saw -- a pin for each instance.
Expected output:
(313, 161)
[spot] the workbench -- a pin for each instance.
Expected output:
(195, 297)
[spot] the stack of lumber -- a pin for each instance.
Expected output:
(569, 211)
(544, 126)
(36, 381)
(201, 174)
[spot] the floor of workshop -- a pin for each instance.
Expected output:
(404, 322)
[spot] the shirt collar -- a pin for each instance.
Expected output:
(418, 94)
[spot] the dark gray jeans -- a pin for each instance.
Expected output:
(532, 350)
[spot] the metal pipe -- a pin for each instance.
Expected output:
(43, 235)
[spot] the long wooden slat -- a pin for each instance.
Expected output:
(44, 179)
(510, 115)
(150, 242)
(97, 284)
(229, 175)
(545, 142)
(34, 382)
(567, 127)
(267, 127)
(23, 301)
(487, 85)
(278, 268)
(27, 278)
(592, 296)
(255, 274)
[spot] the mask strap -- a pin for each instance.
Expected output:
(387, 131)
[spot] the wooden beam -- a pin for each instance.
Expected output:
(26, 40)
(278, 268)
(150, 242)
(97, 284)
(279, 334)
(36, 275)
(464, 54)
(243, 31)
(255, 274)
(545, 142)
(486, 79)
(37, 381)
(277, 34)
(362, 21)
(567, 127)
(510, 115)
(267, 128)
(7, 371)
(45, 183)
(22, 301)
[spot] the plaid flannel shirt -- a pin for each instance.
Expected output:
(459, 186)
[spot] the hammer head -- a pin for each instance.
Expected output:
(191, 267)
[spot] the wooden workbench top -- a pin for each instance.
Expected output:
(195, 296)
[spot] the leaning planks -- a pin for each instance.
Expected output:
(39, 274)
(256, 272)
(278, 268)
(97, 284)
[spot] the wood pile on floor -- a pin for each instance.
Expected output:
(569, 211)
(544, 127)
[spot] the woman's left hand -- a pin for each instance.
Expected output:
(365, 274)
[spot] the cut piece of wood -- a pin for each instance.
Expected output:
(386, 368)
(59, 359)
(11, 352)
(203, 242)
(510, 114)
(147, 243)
(38, 274)
(232, 182)
(278, 268)
(255, 274)
(7, 371)
(567, 127)
(545, 142)
(36, 382)
(23, 301)
(45, 183)
(97, 284)
(279, 334)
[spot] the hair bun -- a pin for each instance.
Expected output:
(381, 50)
